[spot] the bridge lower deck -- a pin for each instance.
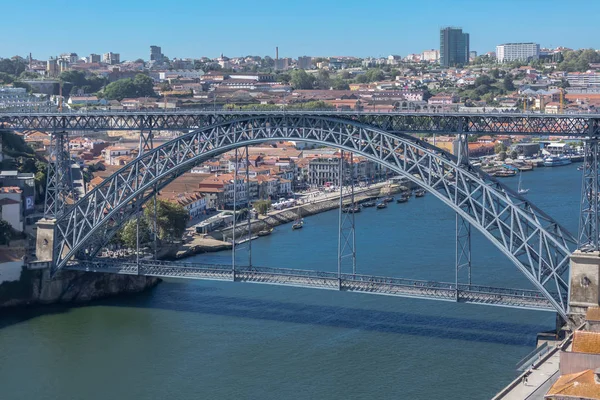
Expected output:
(475, 294)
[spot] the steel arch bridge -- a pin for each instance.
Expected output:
(536, 244)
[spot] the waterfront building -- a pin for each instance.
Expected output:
(510, 52)
(454, 47)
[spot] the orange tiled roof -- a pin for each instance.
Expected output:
(580, 385)
(593, 314)
(586, 342)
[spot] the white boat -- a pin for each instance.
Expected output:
(520, 189)
(298, 224)
(556, 161)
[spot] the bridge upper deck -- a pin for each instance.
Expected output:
(580, 125)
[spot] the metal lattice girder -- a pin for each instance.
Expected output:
(463, 250)
(534, 242)
(445, 291)
(59, 179)
(589, 223)
(448, 123)
(346, 227)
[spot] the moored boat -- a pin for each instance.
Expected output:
(402, 199)
(419, 192)
(556, 161)
(381, 205)
(369, 204)
(298, 224)
(265, 232)
(388, 199)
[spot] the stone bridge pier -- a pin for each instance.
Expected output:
(584, 286)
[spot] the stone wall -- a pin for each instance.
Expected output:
(35, 287)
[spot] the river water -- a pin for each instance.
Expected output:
(219, 340)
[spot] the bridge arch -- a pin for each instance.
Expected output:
(534, 242)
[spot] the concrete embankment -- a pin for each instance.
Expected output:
(34, 286)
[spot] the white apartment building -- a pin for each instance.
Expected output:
(509, 52)
(583, 79)
(431, 55)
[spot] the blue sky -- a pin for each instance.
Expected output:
(195, 28)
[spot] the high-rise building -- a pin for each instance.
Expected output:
(52, 67)
(509, 52)
(111, 58)
(156, 54)
(454, 47)
(304, 62)
(94, 58)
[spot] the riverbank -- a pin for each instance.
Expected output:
(221, 239)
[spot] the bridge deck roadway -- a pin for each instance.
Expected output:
(475, 294)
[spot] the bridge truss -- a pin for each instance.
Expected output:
(534, 242)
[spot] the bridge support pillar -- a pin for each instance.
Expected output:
(584, 290)
(44, 245)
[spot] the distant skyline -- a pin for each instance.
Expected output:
(193, 29)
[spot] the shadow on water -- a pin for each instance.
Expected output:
(404, 323)
(18, 315)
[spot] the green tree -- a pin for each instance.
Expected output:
(6, 78)
(128, 233)
(301, 80)
(144, 85)
(362, 79)
(339, 84)
(171, 219)
(374, 75)
(262, 206)
(284, 78)
(323, 80)
(6, 232)
(120, 89)
(508, 84)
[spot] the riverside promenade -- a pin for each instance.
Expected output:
(535, 381)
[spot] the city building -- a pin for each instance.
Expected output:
(472, 54)
(454, 47)
(510, 52)
(52, 67)
(111, 58)
(431, 55)
(11, 201)
(583, 79)
(156, 54)
(93, 58)
(304, 62)
(15, 99)
(282, 64)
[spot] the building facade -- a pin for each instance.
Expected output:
(304, 62)
(454, 47)
(156, 54)
(431, 55)
(510, 52)
(111, 58)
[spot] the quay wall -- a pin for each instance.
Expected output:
(34, 287)
(293, 213)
